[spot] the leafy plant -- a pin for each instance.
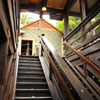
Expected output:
(24, 19)
(73, 22)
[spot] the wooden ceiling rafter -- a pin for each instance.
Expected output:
(33, 7)
(97, 3)
(76, 14)
(44, 3)
(71, 7)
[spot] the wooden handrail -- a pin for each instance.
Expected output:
(62, 82)
(69, 74)
(83, 57)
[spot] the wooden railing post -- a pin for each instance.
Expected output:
(41, 51)
(50, 71)
(50, 68)
(85, 70)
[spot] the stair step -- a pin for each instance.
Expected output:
(32, 73)
(23, 70)
(33, 98)
(30, 68)
(32, 90)
(32, 85)
(28, 56)
(28, 61)
(32, 93)
(31, 79)
(29, 64)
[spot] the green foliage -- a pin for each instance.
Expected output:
(60, 25)
(98, 17)
(73, 22)
(98, 28)
(24, 19)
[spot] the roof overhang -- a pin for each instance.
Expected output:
(56, 8)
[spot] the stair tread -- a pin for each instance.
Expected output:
(37, 83)
(32, 98)
(28, 61)
(30, 68)
(28, 56)
(30, 72)
(31, 77)
(35, 59)
(32, 90)
(32, 64)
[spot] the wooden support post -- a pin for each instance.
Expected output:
(83, 16)
(66, 25)
(85, 70)
(3, 60)
(66, 29)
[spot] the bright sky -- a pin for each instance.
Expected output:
(36, 17)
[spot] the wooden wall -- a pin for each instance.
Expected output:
(9, 29)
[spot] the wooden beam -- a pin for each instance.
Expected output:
(83, 16)
(89, 10)
(92, 14)
(82, 78)
(3, 42)
(3, 20)
(34, 7)
(86, 31)
(12, 23)
(66, 25)
(75, 14)
(3, 60)
(86, 6)
(44, 3)
(69, 5)
(83, 58)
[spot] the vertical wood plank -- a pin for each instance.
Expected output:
(83, 16)
(3, 60)
(66, 25)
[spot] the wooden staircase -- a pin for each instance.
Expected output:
(31, 83)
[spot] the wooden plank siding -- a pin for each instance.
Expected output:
(8, 48)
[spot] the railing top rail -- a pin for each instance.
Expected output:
(83, 57)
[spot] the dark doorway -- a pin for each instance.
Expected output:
(26, 48)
